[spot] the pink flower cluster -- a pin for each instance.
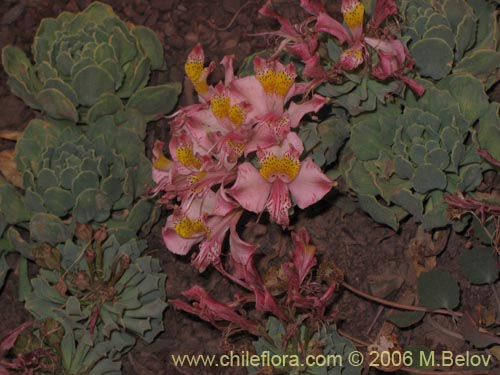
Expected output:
(234, 151)
(302, 298)
(361, 42)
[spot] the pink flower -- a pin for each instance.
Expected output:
(303, 254)
(267, 94)
(302, 293)
(247, 276)
(383, 9)
(269, 89)
(162, 166)
(280, 174)
(296, 40)
(392, 56)
(205, 220)
(213, 311)
(196, 71)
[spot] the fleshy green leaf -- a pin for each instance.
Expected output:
(92, 204)
(406, 319)
(57, 105)
(437, 289)
(428, 177)
(150, 44)
(48, 228)
(479, 265)
(90, 83)
(155, 101)
(433, 57)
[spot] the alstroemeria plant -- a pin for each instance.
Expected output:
(291, 292)
(350, 46)
(236, 150)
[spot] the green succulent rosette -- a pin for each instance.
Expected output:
(111, 287)
(305, 345)
(453, 36)
(90, 64)
(72, 178)
(401, 159)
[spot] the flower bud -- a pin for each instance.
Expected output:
(90, 256)
(84, 232)
(47, 256)
(25, 343)
(100, 235)
(125, 261)
(52, 332)
(80, 281)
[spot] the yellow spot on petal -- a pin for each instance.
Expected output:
(219, 105)
(237, 114)
(275, 82)
(283, 82)
(236, 148)
(187, 158)
(273, 166)
(162, 163)
(187, 228)
(201, 87)
(266, 79)
(353, 16)
(195, 178)
(351, 58)
(194, 70)
(196, 73)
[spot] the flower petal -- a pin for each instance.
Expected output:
(383, 9)
(327, 24)
(310, 185)
(352, 57)
(417, 88)
(263, 136)
(279, 203)
(251, 190)
(176, 244)
(312, 6)
(303, 254)
(313, 69)
(241, 251)
(391, 55)
(252, 91)
(227, 63)
(297, 111)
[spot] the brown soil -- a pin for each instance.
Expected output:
(369, 254)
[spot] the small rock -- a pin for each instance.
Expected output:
(152, 18)
(162, 5)
(176, 41)
(6, 37)
(72, 6)
(12, 14)
(244, 49)
(169, 29)
(140, 7)
(192, 38)
(82, 4)
(229, 45)
(243, 19)
(12, 111)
